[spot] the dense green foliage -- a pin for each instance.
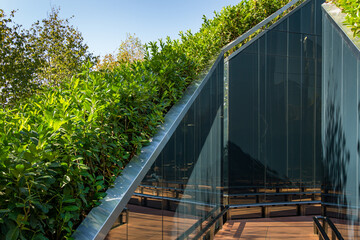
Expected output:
(65, 145)
(61, 150)
(352, 10)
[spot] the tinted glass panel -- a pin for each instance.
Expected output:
(341, 70)
(275, 113)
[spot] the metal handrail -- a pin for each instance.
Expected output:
(334, 228)
(175, 200)
(258, 26)
(269, 204)
(210, 224)
(335, 232)
(320, 229)
(338, 205)
(197, 224)
(271, 194)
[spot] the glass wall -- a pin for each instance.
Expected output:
(275, 114)
(340, 132)
(270, 150)
(182, 190)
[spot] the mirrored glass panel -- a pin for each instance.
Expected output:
(275, 115)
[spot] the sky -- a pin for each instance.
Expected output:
(105, 23)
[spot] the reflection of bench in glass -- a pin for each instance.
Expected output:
(340, 211)
(166, 201)
(260, 197)
(341, 198)
(273, 188)
(176, 192)
(158, 191)
(249, 194)
(265, 207)
(265, 198)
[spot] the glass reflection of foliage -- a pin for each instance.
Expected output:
(336, 156)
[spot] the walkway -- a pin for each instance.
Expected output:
(294, 228)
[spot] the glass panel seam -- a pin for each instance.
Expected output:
(301, 107)
(287, 99)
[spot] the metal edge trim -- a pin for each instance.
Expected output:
(266, 30)
(258, 26)
(336, 17)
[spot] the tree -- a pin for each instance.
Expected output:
(19, 62)
(130, 50)
(61, 47)
(51, 51)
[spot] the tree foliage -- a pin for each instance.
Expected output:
(50, 52)
(61, 47)
(19, 62)
(129, 51)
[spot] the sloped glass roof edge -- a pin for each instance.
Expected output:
(338, 17)
(262, 24)
(100, 219)
(265, 30)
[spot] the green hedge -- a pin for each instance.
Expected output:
(352, 10)
(61, 149)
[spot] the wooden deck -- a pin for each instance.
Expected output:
(294, 228)
(149, 223)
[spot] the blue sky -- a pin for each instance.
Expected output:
(105, 23)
